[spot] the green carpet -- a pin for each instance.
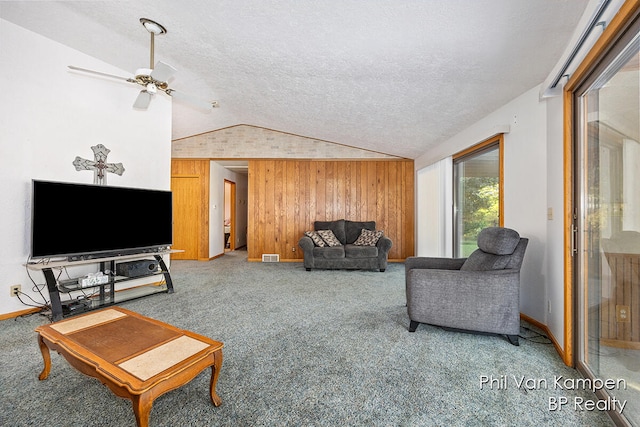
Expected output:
(319, 348)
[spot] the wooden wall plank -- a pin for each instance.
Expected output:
(279, 222)
(287, 196)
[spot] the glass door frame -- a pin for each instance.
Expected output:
(614, 39)
(592, 65)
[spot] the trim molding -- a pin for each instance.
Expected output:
(546, 330)
(15, 314)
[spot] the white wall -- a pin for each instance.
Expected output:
(434, 208)
(48, 116)
(217, 175)
(532, 182)
(555, 226)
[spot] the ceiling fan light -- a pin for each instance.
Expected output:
(152, 89)
(153, 26)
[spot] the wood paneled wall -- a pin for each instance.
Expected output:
(196, 172)
(619, 319)
(287, 196)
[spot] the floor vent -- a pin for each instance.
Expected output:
(270, 258)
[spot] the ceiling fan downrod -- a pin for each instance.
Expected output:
(154, 28)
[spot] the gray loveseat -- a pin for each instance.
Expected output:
(480, 293)
(351, 251)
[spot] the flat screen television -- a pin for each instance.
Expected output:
(82, 221)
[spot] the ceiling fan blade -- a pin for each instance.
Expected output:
(163, 72)
(192, 100)
(99, 73)
(143, 100)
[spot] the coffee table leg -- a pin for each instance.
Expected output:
(142, 408)
(47, 358)
(215, 372)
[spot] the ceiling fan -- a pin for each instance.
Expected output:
(153, 78)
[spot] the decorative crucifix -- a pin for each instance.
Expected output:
(99, 166)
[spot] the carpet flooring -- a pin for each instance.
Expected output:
(319, 348)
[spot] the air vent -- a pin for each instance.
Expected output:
(270, 258)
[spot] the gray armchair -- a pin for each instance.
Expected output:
(480, 293)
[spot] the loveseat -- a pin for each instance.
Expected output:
(354, 245)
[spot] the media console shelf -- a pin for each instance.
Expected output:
(103, 293)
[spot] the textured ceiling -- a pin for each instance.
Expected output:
(391, 76)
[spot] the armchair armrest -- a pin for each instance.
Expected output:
(306, 244)
(433, 263)
(384, 244)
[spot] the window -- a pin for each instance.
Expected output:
(477, 193)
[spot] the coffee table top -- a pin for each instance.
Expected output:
(129, 349)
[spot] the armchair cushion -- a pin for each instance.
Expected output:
(329, 252)
(495, 248)
(498, 240)
(482, 261)
(353, 229)
(359, 251)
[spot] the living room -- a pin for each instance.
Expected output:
(70, 122)
(51, 115)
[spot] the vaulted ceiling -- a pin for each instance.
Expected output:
(396, 77)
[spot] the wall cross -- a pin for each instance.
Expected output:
(99, 166)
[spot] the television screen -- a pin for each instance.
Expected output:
(81, 220)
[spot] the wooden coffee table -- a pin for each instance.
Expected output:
(138, 358)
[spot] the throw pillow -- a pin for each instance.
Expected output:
(368, 237)
(329, 238)
(317, 240)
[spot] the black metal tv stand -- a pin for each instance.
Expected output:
(101, 294)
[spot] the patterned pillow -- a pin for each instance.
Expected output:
(317, 240)
(368, 237)
(329, 238)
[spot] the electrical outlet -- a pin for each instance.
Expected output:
(623, 314)
(15, 290)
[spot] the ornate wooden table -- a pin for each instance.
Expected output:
(138, 358)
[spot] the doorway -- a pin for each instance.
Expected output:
(230, 219)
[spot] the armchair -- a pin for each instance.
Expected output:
(480, 293)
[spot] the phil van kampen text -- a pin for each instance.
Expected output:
(558, 382)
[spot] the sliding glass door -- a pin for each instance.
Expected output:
(607, 200)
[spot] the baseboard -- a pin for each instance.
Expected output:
(19, 313)
(301, 260)
(633, 345)
(546, 330)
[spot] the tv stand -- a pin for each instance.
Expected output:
(104, 293)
